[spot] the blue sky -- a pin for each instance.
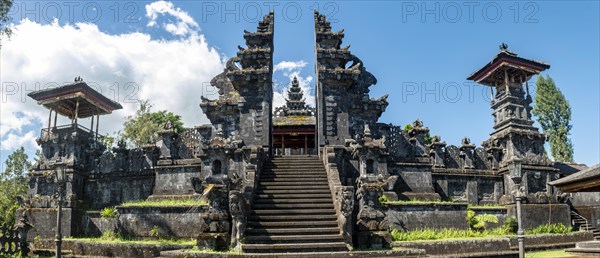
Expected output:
(420, 52)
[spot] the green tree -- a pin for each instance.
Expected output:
(142, 128)
(13, 182)
(5, 6)
(553, 112)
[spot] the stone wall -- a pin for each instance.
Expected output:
(93, 225)
(177, 180)
(585, 199)
(434, 215)
(484, 247)
(84, 248)
(472, 189)
(44, 222)
(113, 189)
(548, 241)
(178, 222)
(539, 214)
(495, 247)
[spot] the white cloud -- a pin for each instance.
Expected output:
(289, 65)
(172, 74)
(291, 69)
(185, 24)
(13, 141)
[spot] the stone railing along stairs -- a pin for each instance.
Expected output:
(293, 209)
(581, 223)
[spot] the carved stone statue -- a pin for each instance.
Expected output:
(237, 209)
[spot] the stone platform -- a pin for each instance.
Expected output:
(589, 248)
(404, 252)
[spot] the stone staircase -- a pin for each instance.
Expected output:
(293, 210)
(580, 222)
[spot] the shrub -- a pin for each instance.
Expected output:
(154, 232)
(108, 212)
(556, 228)
(479, 222)
(383, 199)
(110, 235)
(446, 233)
(510, 225)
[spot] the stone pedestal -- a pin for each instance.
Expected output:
(416, 185)
(213, 241)
(374, 239)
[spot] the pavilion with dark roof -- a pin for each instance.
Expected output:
(587, 180)
(75, 100)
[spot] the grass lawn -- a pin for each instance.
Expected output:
(548, 253)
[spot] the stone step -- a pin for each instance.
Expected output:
(292, 231)
(331, 216)
(301, 174)
(293, 196)
(292, 224)
(297, 157)
(294, 167)
(295, 171)
(293, 239)
(300, 162)
(294, 191)
(259, 206)
(292, 164)
(295, 247)
(294, 183)
(294, 212)
(315, 159)
(283, 201)
(293, 179)
(293, 187)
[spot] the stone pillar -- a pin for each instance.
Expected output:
(437, 152)
(466, 152)
(443, 188)
(472, 195)
(417, 138)
(166, 145)
(498, 191)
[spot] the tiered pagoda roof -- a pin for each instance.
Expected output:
(492, 74)
(295, 111)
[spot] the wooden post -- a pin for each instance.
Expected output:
(76, 113)
(49, 120)
(55, 118)
(506, 81)
(305, 144)
(283, 144)
(97, 123)
(92, 124)
(492, 95)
